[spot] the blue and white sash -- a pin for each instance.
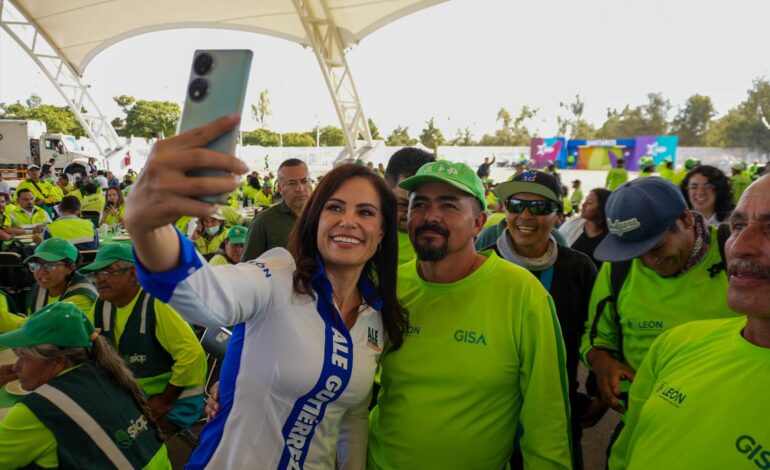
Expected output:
(335, 375)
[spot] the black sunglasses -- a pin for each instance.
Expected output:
(517, 206)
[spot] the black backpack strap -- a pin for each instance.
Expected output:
(723, 233)
(618, 273)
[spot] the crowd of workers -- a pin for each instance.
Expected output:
(384, 319)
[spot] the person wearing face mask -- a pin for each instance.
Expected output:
(231, 250)
(533, 207)
(210, 234)
(707, 191)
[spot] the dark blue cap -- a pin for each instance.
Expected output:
(638, 214)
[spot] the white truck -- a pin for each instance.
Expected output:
(23, 143)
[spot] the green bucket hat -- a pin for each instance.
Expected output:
(237, 234)
(109, 254)
(55, 249)
(459, 175)
(59, 323)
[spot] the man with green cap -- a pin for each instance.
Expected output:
(54, 265)
(232, 250)
(82, 412)
(156, 344)
(680, 174)
(483, 353)
(264, 198)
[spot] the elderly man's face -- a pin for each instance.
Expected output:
(442, 220)
(748, 252)
(114, 281)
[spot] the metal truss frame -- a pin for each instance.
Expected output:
(15, 22)
(324, 37)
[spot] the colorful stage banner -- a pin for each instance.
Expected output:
(546, 151)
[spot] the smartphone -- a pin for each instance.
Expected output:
(217, 87)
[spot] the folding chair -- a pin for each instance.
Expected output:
(15, 278)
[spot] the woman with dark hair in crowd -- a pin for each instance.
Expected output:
(85, 409)
(584, 233)
(310, 323)
(707, 191)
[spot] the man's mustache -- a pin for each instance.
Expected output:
(744, 266)
(431, 228)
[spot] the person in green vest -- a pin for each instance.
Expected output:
(93, 199)
(264, 198)
(401, 165)
(25, 215)
(739, 182)
(232, 249)
(666, 169)
(251, 190)
(54, 265)
(616, 176)
(646, 167)
(114, 208)
(45, 196)
(85, 410)
(156, 344)
(209, 234)
(70, 227)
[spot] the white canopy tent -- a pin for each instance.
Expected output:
(46, 30)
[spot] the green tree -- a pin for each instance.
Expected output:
(463, 138)
(693, 121)
(262, 110)
(298, 139)
(574, 126)
(650, 118)
(373, 129)
(400, 138)
(513, 131)
(58, 119)
(147, 118)
(742, 126)
(331, 136)
(431, 136)
(263, 137)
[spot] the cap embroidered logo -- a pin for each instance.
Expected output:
(621, 227)
(528, 176)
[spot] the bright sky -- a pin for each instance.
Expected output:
(460, 62)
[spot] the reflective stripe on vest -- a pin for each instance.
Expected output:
(86, 423)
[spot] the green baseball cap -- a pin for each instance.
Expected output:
(458, 175)
(267, 184)
(59, 323)
(108, 254)
(691, 163)
(237, 234)
(55, 249)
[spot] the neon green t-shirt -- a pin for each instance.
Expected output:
(649, 304)
(218, 260)
(405, 248)
(700, 400)
(616, 177)
(481, 355)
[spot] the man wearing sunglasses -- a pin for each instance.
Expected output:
(157, 345)
(674, 274)
(483, 353)
(533, 207)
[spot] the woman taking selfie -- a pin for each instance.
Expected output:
(310, 323)
(114, 209)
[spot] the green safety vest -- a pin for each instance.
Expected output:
(73, 229)
(92, 202)
(140, 349)
(78, 285)
(96, 423)
(19, 218)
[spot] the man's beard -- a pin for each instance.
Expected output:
(428, 252)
